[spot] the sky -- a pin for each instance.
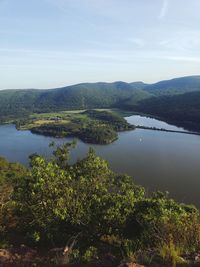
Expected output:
(54, 43)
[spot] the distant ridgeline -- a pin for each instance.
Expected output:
(176, 100)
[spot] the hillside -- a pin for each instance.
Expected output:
(182, 110)
(88, 95)
(81, 96)
(174, 86)
(175, 100)
(16, 102)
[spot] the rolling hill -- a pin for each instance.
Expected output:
(80, 96)
(175, 100)
(182, 110)
(174, 86)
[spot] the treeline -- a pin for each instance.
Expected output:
(94, 211)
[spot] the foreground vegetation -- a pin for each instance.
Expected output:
(93, 212)
(91, 126)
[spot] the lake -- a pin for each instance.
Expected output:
(156, 160)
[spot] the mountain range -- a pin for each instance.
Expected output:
(176, 100)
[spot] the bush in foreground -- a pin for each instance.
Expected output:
(92, 211)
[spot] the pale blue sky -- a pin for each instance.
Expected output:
(52, 43)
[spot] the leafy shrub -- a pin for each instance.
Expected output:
(54, 202)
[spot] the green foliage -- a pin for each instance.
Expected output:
(176, 100)
(183, 110)
(160, 221)
(8, 172)
(91, 126)
(91, 209)
(174, 86)
(170, 254)
(86, 198)
(20, 103)
(90, 254)
(98, 135)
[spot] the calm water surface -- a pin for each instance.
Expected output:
(156, 160)
(151, 122)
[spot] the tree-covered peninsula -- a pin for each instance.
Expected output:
(91, 126)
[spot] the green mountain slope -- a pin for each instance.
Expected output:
(174, 86)
(80, 96)
(16, 102)
(183, 110)
(176, 99)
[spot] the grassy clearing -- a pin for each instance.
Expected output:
(59, 118)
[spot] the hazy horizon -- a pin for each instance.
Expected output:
(55, 43)
(66, 85)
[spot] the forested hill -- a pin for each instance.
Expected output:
(175, 86)
(89, 95)
(134, 96)
(80, 96)
(183, 110)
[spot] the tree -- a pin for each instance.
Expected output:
(85, 198)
